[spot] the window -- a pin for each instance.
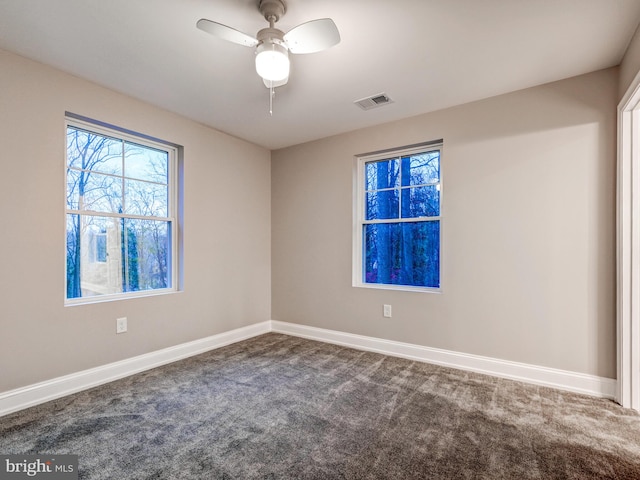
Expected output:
(120, 214)
(397, 228)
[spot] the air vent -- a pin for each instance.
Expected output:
(377, 100)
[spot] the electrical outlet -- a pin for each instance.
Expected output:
(121, 325)
(387, 311)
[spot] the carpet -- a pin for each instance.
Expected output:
(281, 407)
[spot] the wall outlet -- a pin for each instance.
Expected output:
(386, 311)
(121, 325)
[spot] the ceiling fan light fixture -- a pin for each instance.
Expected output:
(272, 61)
(273, 45)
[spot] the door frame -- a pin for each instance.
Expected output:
(628, 248)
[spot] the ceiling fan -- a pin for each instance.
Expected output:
(273, 45)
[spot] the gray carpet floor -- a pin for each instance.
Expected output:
(280, 407)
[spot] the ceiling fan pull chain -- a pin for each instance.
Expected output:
(271, 95)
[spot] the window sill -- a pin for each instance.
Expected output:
(117, 297)
(400, 288)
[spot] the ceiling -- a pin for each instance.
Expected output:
(424, 54)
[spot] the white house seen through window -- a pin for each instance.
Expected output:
(120, 231)
(398, 219)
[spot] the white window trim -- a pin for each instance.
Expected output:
(72, 120)
(358, 214)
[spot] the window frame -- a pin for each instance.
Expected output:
(359, 220)
(124, 135)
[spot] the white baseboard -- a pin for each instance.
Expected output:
(548, 377)
(35, 394)
(38, 393)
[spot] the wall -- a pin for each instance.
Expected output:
(528, 252)
(630, 65)
(226, 244)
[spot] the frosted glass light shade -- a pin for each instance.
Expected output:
(272, 61)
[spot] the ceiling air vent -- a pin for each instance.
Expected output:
(377, 100)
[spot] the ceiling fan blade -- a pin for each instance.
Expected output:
(313, 36)
(226, 33)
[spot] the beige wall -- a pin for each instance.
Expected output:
(528, 230)
(630, 65)
(226, 230)
(528, 252)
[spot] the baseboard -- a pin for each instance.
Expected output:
(35, 394)
(548, 377)
(38, 393)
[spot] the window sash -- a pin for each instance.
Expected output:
(170, 219)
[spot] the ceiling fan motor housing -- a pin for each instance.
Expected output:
(271, 35)
(272, 10)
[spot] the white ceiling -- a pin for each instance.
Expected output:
(425, 54)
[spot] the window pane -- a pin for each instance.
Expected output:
(421, 169)
(108, 255)
(93, 191)
(145, 251)
(381, 205)
(93, 256)
(144, 163)
(379, 175)
(421, 202)
(74, 177)
(90, 151)
(73, 256)
(98, 193)
(143, 198)
(402, 253)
